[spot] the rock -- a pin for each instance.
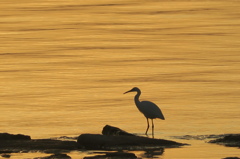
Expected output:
(55, 156)
(114, 138)
(44, 145)
(114, 131)
(97, 141)
(113, 155)
(231, 140)
(6, 155)
(6, 136)
(231, 158)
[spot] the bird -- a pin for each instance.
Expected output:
(149, 109)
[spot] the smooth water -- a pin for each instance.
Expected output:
(64, 66)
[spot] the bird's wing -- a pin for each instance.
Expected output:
(150, 110)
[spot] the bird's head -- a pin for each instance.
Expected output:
(134, 89)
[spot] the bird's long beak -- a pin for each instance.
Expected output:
(127, 92)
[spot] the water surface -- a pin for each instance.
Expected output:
(65, 65)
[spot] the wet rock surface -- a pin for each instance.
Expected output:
(55, 156)
(104, 142)
(111, 139)
(114, 138)
(114, 131)
(113, 155)
(7, 136)
(231, 140)
(44, 145)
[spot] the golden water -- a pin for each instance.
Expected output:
(64, 66)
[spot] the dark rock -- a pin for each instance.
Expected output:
(115, 139)
(55, 156)
(6, 155)
(6, 136)
(231, 158)
(97, 141)
(231, 140)
(198, 137)
(114, 131)
(37, 145)
(113, 155)
(152, 153)
(66, 138)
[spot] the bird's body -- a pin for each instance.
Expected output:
(149, 109)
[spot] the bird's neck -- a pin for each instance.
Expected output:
(136, 98)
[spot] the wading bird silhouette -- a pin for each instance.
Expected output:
(149, 109)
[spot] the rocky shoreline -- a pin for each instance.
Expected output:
(112, 138)
(229, 140)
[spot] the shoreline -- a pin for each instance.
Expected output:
(111, 139)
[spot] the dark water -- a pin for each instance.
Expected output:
(65, 65)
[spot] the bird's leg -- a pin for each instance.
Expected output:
(147, 126)
(152, 129)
